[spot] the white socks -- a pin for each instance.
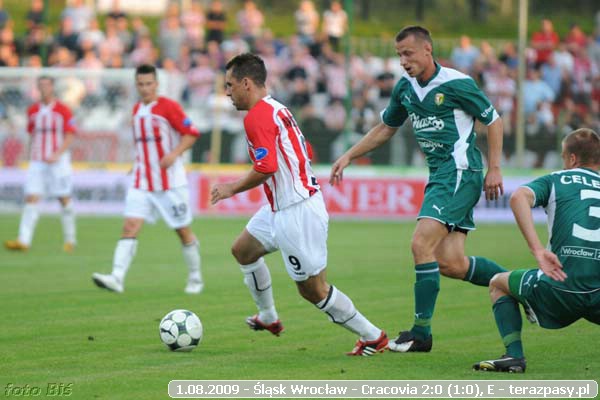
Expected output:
(258, 280)
(29, 220)
(124, 253)
(67, 218)
(340, 309)
(191, 255)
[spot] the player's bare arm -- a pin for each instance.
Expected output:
(377, 136)
(493, 185)
(187, 141)
(252, 179)
(521, 202)
(68, 140)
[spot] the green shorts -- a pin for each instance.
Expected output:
(450, 198)
(553, 307)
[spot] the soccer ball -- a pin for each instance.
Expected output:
(180, 330)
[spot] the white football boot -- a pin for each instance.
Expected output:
(108, 281)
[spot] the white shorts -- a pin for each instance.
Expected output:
(299, 231)
(172, 205)
(51, 180)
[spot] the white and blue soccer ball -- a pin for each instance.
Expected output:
(180, 330)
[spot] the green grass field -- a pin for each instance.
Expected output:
(59, 328)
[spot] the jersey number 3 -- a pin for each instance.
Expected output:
(591, 235)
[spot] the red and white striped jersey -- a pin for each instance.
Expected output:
(157, 130)
(276, 145)
(48, 124)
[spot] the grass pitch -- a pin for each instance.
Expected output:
(59, 328)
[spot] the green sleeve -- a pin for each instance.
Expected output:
(395, 113)
(541, 188)
(473, 101)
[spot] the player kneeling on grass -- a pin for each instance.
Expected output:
(295, 221)
(566, 287)
(52, 129)
(162, 132)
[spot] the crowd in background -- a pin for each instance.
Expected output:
(308, 72)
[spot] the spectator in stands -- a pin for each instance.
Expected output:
(175, 80)
(143, 53)
(66, 36)
(80, 15)
(201, 80)
(307, 21)
(537, 104)
(35, 15)
(112, 45)
(552, 74)
(563, 58)
(509, 55)
(115, 13)
(544, 41)
(576, 38)
(501, 89)
(335, 24)
(464, 56)
(92, 34)
(61, 57)
(335, 75)
(171, 38)
(139, 29)
(125, 36)
(34, 41)
(193, 21)
(582, 76)
(250, 21)
(314, 130)
(216, 21)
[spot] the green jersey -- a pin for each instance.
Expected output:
(443, 112)
(572, 201)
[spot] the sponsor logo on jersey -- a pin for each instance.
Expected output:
(439, 99)
(260, 153)
(426, 124)
(407, 98)
(581, 252)
(430, 145)
(187, 122)
(487, 111)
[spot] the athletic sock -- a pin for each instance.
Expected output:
(191, 255)
(29, 220)
(510, 323)
(67, 218)
(427, 287)
(340, 310)
(124, 253)
(481, 270)
(258, 280)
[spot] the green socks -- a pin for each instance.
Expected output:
(509, 322)
(427, 287)
(481, 270)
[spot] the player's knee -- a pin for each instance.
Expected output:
(419, 247)
(130, 229)
(496, 288)
(451, 266)
(242, 254)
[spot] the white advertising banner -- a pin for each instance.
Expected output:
(99, 192)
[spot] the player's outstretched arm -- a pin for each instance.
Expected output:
(521, 202)
(493, 185)
(377, 136)
(222, 191)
